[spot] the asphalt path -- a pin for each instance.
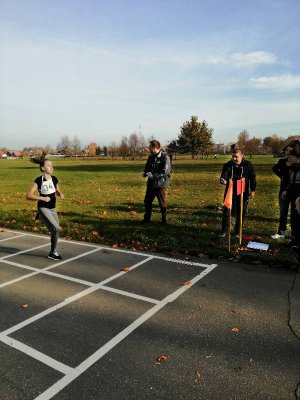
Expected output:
(106, 323)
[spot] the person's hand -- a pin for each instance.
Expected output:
(252, 194)
(46, 199)
(61, 195)
(143, 173)
(283, 194)
(223, 181)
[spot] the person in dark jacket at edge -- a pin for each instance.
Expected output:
(236, 169)
(158, 171)
(292, 191)
(281, 169)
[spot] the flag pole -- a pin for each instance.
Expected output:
(241, 213)
(229, 229)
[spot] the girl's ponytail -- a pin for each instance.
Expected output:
(39, 160)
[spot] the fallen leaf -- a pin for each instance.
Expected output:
(187, 283)
(198, 375)
(126, 269)
(95, 233)
(25, 305)
(161, 359)
(114, 246)
(251, 360)
(235, 330)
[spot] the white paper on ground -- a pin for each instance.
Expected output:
(258, 246)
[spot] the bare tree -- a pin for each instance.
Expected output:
(133, 142)
(75, 146)
(123, 147)
(112, 150)
(142, 144)
(64, 145)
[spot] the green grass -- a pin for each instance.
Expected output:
(104, 204)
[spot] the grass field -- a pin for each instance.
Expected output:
(104, 204)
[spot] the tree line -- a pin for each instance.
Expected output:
(195, 139)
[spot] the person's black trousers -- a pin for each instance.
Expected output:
(161, 195)
(235, 212)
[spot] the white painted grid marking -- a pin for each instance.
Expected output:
(72, 373)
(13, 237)
(51, 362)
(43, 270)
(69, 300)
(76, 372)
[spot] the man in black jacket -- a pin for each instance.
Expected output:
(158, 171)
(281, 169)
(236, 169)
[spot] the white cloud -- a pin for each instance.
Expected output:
(277, 83)
(252, 58)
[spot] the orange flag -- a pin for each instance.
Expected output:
(228, 198)
(240, 186)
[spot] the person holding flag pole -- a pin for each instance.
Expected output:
(238, 175)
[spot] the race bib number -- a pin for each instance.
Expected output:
(48, 187)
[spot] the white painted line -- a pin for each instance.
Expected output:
(43, 270)
(51, 362)
(169, 259)
(23, 266)
(69, 299)
(178, 292)
(16, 280)
(76, 372)
(128, 294)
(69, 278)
(24, 251)
(12, 237)
(47, 237)
(178, 261)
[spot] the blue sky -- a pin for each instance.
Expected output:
(104, 69)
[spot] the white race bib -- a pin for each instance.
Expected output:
(48, 187)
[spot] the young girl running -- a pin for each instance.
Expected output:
(47, 186)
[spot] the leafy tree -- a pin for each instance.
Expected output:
(252, 146)
(92, 149)
(195, 137)
(276, 144)
(173, 148)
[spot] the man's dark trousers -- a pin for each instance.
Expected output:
(235, 212)
(161, 195)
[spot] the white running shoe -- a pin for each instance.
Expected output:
(278, 236)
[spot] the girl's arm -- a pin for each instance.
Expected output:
(59, 193)
(31, 196)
